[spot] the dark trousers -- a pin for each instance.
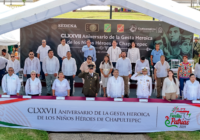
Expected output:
(71, 80)
(2, 73)
(114, 64)
(198, 79)
(85, 58)
(133, 68)
(153, 68)
(182, 81)
(41, 72)
(28, 76)
(60, 61)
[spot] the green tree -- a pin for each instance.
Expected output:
(24, 1)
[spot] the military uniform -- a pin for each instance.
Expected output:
(144, 85)
(196, 52)
(91, 85)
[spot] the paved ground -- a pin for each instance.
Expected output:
(96, 136)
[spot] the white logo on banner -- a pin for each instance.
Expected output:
(160, 30)
(133, 28)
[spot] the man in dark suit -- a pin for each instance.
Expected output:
(91, 85)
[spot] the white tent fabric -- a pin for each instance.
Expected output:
(10, 38)
(164, 10)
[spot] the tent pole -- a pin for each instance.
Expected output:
(110, 11)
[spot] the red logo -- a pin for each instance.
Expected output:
(120, 28)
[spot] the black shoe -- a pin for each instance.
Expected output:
(126, 96)
(48, 94)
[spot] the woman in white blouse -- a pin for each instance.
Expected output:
(170, 89)
(106, 68)
(61, 86)
(197, 71)
(33, 85)
(14, 63)
(133, 55)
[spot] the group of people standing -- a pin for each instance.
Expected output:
(122, 65)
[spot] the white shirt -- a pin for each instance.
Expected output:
(33, 87)
(62, 50)
(3, 62)
(43, 51)
(69, 67)
(61, 87)
(191, 91)
(114, 53)
(162, 69)
(124, 66)
(30, 65)
(144, 84)
(51, 65)
(15, 65)
(139, 65)
(115, 87)
(197, 70)
(11, 84)
(170, 87)
(133, 54)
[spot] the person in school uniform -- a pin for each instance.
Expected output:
(10, 83)
(144, 83)
(191, 90)
(61, 86)
(14, 63)
(31, 63)
(140, 63)
(91, 85)
(106, 68)
(114, 53)
(133, 54)
(69, 69)
(42, 52)
(50, 67)
(33, 85)
(89, 50)
(115, 85)
(160, 73)
(62, 50)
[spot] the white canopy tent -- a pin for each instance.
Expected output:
(10, 38)
(164, 10)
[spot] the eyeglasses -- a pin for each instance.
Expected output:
(89, 59)
(12, 56)
(10, 70)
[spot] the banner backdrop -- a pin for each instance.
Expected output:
(98, 116)
(174, 42)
